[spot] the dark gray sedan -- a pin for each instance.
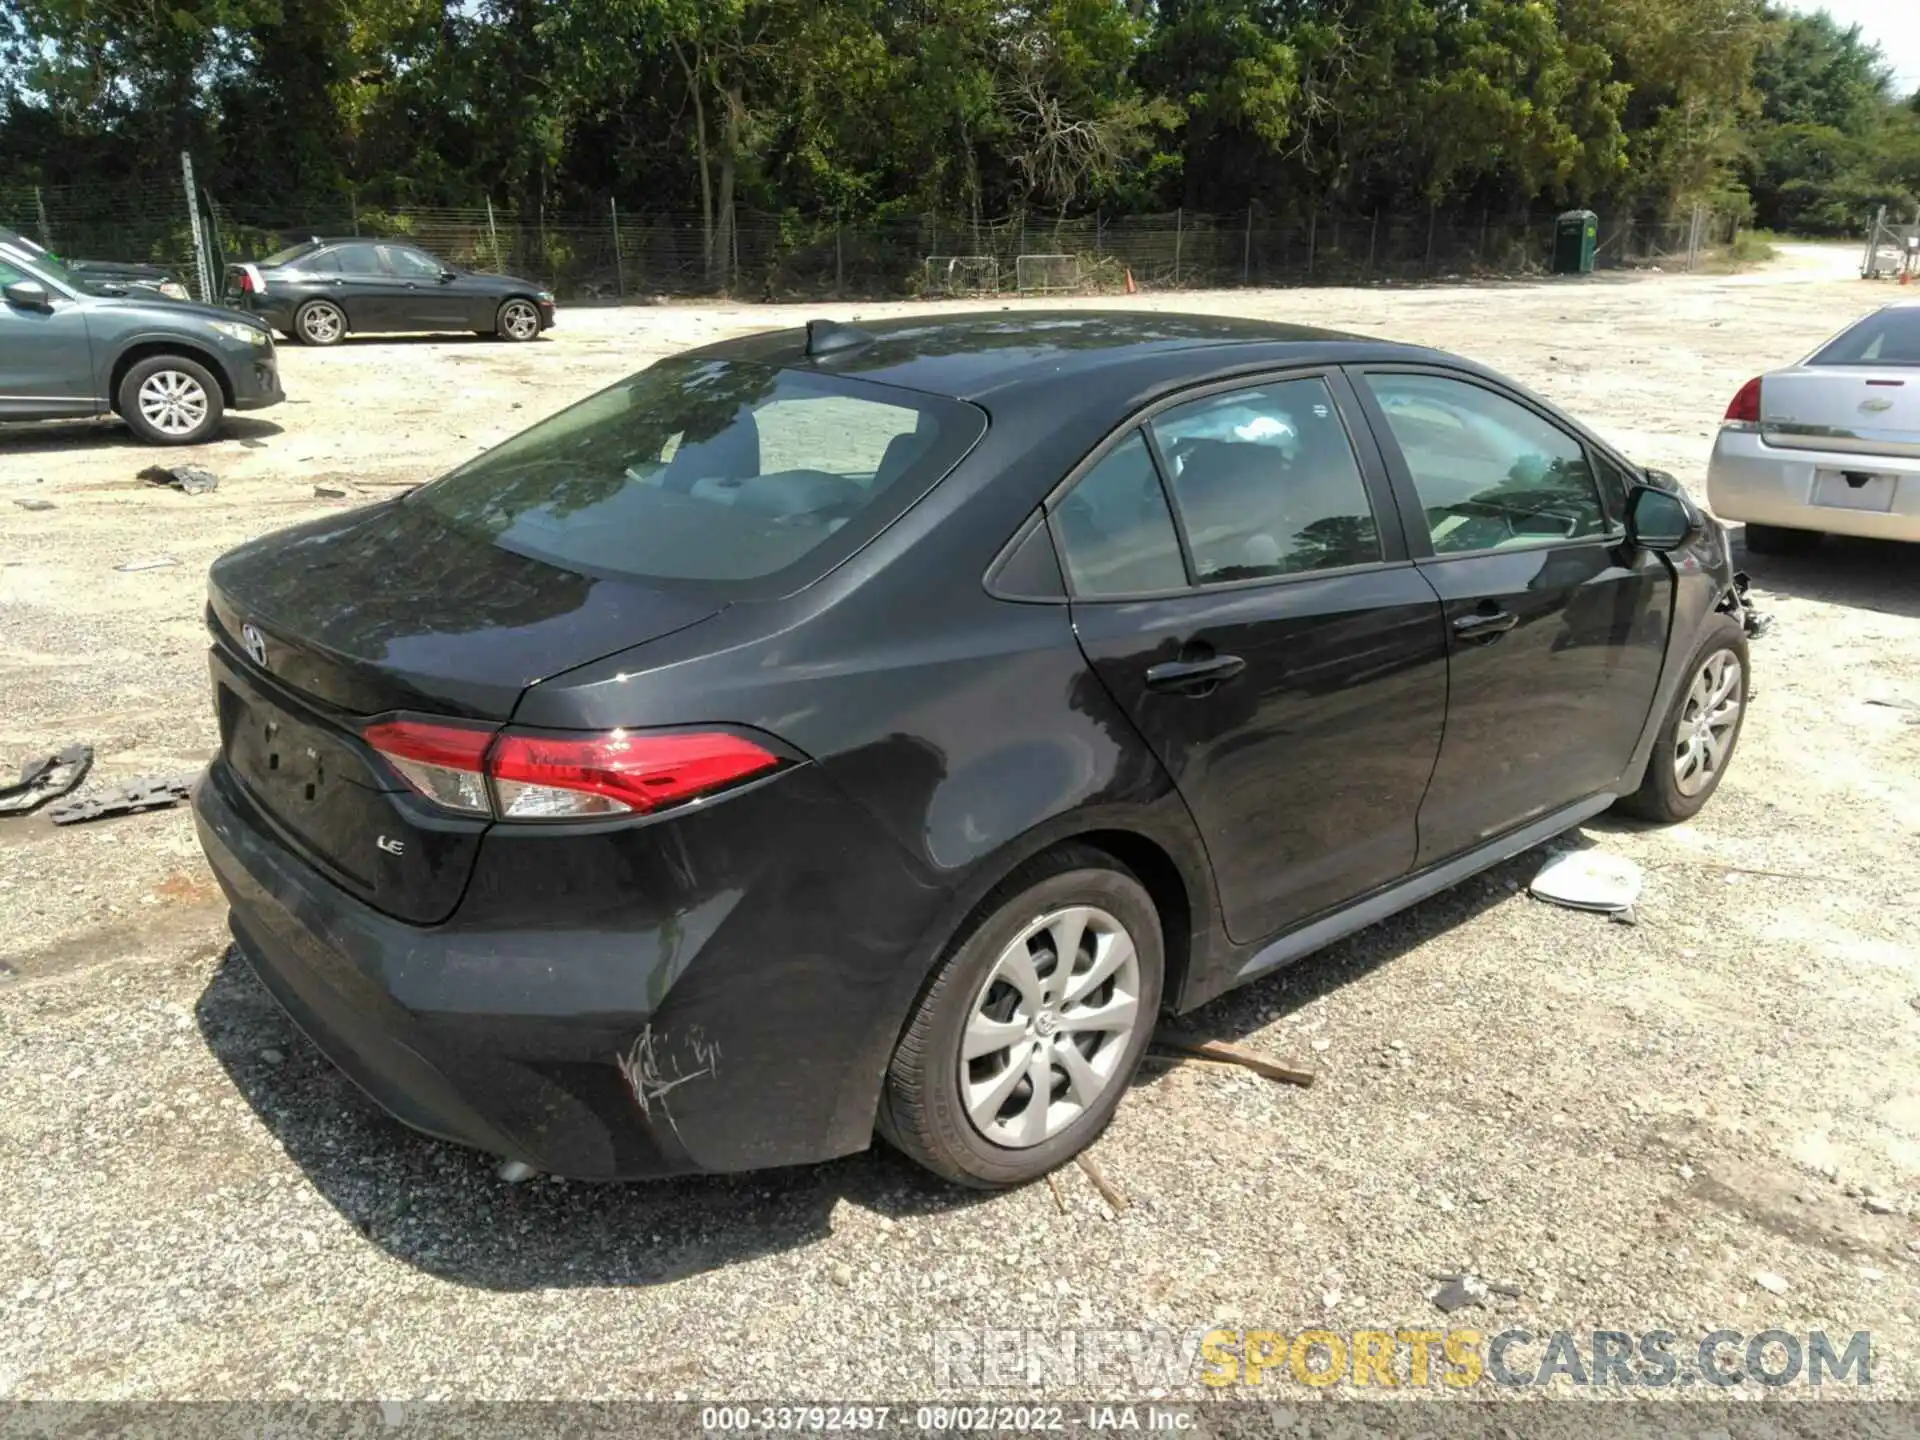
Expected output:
(319, 291)
(170, 369)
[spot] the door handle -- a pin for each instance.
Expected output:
(1486, 625)
(1193, 677)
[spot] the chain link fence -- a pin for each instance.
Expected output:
(612, 255)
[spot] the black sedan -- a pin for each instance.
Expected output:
(851, 730)
(321, 291)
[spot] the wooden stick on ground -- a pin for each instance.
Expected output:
(1116, 1202)
(1219, 1050)
(1053, 1184)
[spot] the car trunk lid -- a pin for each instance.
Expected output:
(1856, 409)
(320, 628)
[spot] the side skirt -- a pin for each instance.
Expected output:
(1411, 891)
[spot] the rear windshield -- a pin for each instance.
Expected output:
(710, 471)
(1889, 337)
(292, 252)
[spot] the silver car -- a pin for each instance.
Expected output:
(1830, 446)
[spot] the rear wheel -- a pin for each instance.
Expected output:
(518, 320)
(170, 400)
(1022, 1045)
(320, 322)
(1778, 540)
(1696, 740)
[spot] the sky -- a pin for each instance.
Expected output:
(1893, 25)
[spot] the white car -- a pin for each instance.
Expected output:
(1830, 446)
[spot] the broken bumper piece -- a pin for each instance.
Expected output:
(1741, 608)
(47, 778)
(149, 794)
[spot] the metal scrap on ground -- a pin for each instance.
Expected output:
(47, 778)
(1457, 1291)
(151, 793)
(1221, 1053)
(187, 479)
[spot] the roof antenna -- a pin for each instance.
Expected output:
(825, 337)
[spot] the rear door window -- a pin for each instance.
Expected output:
(410, 264)
(711, 472)
(1267, 483)
(1114, 528)
(358, 260)
(325, 262)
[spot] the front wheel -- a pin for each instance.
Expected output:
(1019, 1050)
(1696, 740)
(170, 400)
(518, 320)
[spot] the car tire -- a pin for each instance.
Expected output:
(982, 986)
(320, 322)
(170, 400)
(1779, 540)
(1690, 755)
(517, 320)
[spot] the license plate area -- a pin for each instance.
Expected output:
(1854, 489)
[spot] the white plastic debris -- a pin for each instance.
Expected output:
(1588, 880)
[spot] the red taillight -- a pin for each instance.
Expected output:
(519, 776)
(538, 776)
(1746, 405)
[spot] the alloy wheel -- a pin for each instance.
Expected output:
(321, 324)
(1704, 736)
(520, 320)
(1049, 1027)
(173, 402)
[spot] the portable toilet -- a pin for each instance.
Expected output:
(1576, 236)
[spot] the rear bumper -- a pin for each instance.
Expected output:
(1753, 481)
(571, 1031)
(269, 309)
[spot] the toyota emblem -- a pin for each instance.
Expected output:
(255, 644)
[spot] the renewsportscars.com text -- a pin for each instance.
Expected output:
(1457, 1359)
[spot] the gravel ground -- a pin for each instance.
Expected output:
(1627, 1125)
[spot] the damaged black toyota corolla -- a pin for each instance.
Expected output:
(849, 730)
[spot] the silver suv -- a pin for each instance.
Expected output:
(170, 370)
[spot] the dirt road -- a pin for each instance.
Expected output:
(1627, 1125)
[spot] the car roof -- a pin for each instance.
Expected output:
(977, 355)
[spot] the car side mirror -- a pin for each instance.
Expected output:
(1658, 519)
(28, 295)
(447, 277)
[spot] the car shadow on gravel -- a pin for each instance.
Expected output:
(449, 337)
(442, 1209)
(1865, 574)
(52, 437)
(1239, 1013)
